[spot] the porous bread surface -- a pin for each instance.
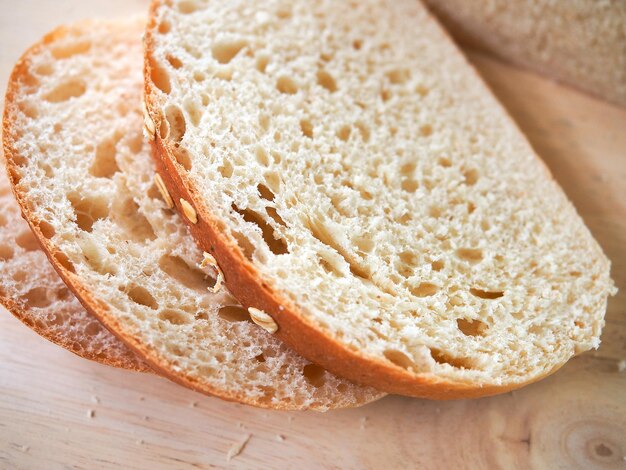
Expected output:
(367, 181)
(580, 42)
(84, 177)
(32, 291)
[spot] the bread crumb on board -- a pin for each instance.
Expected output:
(91, 413)
(237, 448)
(280, 437)
(621, 365)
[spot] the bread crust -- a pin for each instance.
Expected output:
(124, 360)
(247, 284)
(93, 305)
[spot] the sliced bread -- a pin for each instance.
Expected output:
(84, 178)
(582, 42)
(358, 183)
(33, 292)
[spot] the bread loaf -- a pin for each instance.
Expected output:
(85, 181)
(360, 185)
(579, 42)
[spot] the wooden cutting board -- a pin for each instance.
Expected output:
(59, 411)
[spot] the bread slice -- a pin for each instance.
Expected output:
(582, 43)
(358, 182)
(33, 292)
(84, 178)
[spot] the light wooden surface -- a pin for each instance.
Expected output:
(58, 411)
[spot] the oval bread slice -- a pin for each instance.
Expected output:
(84, 177)
(363, 187)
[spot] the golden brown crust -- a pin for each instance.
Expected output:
(246, 283)
(93, 305)
(124, 360)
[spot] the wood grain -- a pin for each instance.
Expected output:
(58, 411)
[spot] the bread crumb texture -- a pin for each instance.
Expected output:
(371, 180)
(85, 174)
(32, 291)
